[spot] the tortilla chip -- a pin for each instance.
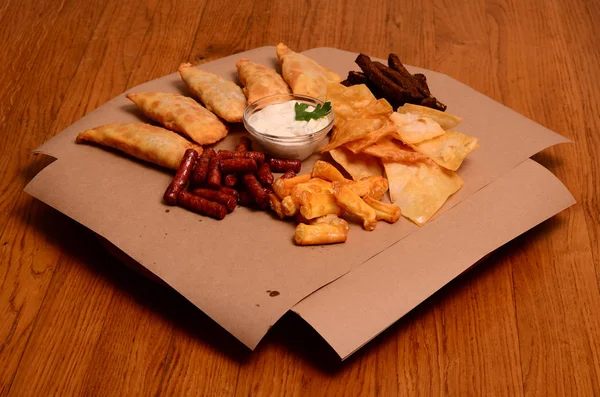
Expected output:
(347, 102)
(412, 128)
(448, 150)
(420, 189)
(357, 165)
(371, 138)
(393, 150)
(371, 118)
(445, 120)
(398, 174)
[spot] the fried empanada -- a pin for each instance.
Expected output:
(260, 81)
(143, 141)
(182, 114)
(220, 96)
(304, 75)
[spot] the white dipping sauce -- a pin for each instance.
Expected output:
(280, 120)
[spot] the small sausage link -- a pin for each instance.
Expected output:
(245, 145)
(229, 201)
(245, 199)
(201, 205)
(213, 179)
(259, 157)
(238, 166)
(180, 180)
(230, 180)
(201, 170)
(230, 191)
(260, 197)
(265, 176)
(288, 175)
(268, 190)
(284, 165)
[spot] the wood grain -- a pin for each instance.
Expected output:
(74, 321)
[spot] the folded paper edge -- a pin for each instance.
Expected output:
(568, 201)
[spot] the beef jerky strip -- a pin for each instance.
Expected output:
(389, 88)
(355, 78)
(407, 83)
(420, 82)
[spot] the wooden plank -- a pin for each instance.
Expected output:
(30, 253)
(71, 320)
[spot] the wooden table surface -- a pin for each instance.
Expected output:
(74, 321)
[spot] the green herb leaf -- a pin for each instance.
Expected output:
(320, 111)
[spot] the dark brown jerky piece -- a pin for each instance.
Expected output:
(420, 82)
(406, 83)
(389, 88)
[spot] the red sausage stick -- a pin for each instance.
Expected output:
(201, 205)
(259, 157)
(201, 170)
(230, 180)
(182, 176)
(238, 165)
(245, 198)
(256, 190)
(230, 191)
(288, 175)
(245, 145)
(284, 165)
(230, 202)
(213, 179)
(264, 174)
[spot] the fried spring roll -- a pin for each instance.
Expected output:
(384, 211)
(283, 187)
(352, 203)
(324, 170)
(326, 231)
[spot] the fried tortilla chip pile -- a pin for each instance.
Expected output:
(319, 199)
(393, 82)
(415, 147)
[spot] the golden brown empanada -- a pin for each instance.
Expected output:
(304, 75)
(220, 96)
(182, 114)
(260, 81)
(143, 141)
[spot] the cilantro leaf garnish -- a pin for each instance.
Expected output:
(320, 111)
